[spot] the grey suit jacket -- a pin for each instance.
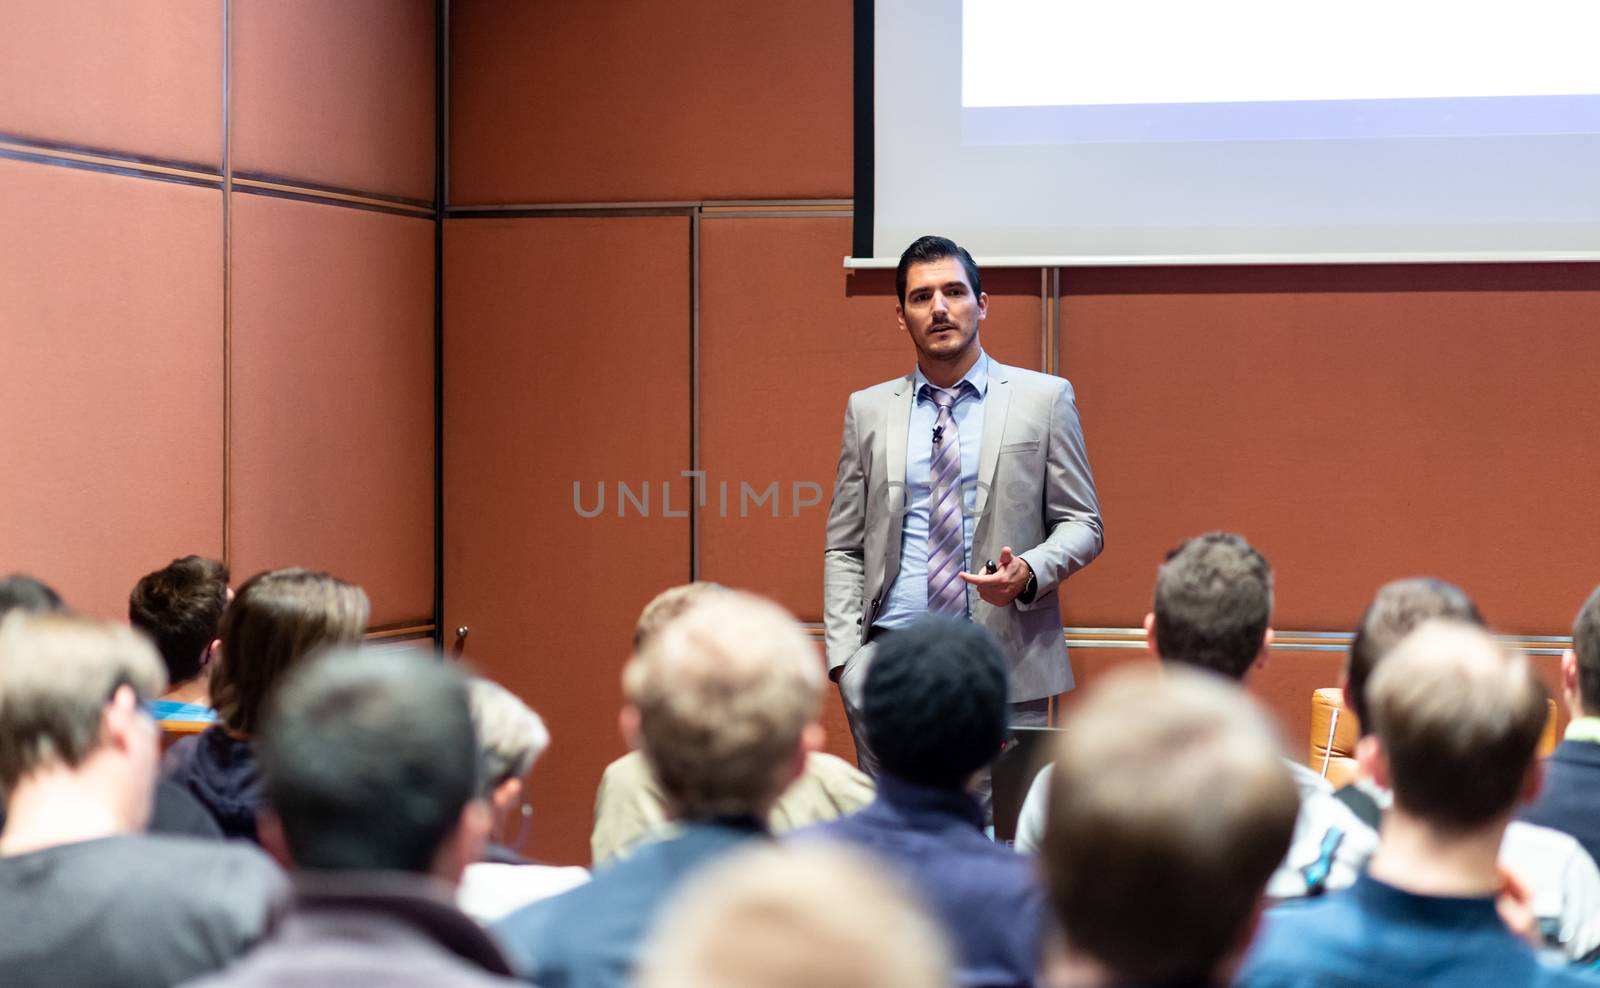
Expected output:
(1035, 494)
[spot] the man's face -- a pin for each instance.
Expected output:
(941, 313)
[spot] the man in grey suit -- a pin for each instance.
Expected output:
(941, 474)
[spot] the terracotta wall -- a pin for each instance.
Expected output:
(245, 375)
(1359, 424)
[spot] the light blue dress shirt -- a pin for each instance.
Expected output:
(907, 600)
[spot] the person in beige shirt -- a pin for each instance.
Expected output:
(629, 807)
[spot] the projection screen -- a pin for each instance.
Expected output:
(1077, 132)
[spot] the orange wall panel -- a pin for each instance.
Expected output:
(786, 334)
(638, 101)
(135, 76)
(1357, 424)
(332, 439)
(566, 362)
(336, 94)
(111, 341)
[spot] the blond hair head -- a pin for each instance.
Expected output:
(795, 916)
(1459, 717)
(668, 604)
(723, 694)
(57, 672)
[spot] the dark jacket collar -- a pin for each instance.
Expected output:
(424, 904)
(916, 800)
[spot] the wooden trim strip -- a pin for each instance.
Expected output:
(775, 214)
(329, 197)
(827, 207)
(569, 212)
(493, 209)
(262, 180)
(119, 159)
(26, 149)
(108, 166)
(391, 632)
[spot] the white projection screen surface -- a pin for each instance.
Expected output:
(1079, 132)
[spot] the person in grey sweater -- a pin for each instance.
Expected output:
(86, 898)
(370, 766)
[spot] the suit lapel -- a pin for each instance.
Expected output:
(894, 446)
(994, 430)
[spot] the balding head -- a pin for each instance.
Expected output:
(724, 694)
(667, 605)
(1458, 717)
(1172, 785)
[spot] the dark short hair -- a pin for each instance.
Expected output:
(1586, 643)
(1399, 607)
(368, 758)
(935, 709)
(180, 606)
(20, 592)
(275, 620)
(1213, 604)
(925, 250)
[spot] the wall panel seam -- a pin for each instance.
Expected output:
(441, 196)
(694, 394)
(227, 284)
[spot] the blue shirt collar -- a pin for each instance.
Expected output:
(977, 376)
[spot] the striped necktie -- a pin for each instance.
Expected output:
(947, 547)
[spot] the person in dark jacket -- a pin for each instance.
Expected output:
(370, 767)
(1570, 801)
(936, 714)
(274, 622)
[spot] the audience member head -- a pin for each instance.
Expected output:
(1399, 607)
(1457, 719)
(71, 694)
(370, 763)
(19, 592)
(274, 621)
(723, 702)
(180, 607)
(935, 710)
(1213, 605)
(794, 917)
(925, 250)
(668, 604)
(1580, 666)
(1170, 809)
(511, 737)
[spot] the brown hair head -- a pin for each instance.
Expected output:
(275, 620)
(1170, 808)
(1399, 607)
(180, 606)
